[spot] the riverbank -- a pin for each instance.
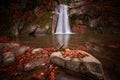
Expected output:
(18, 60)
(106, 53)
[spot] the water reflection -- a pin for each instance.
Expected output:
(97, 43)
(62, 40)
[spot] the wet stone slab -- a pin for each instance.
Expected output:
(86, 65)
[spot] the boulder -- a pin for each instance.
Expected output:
(20, 50)
(8, 58)
(35, 64)
(37, 50)
(88, 65)
(72, 64)
(57, 58)
(8, 45)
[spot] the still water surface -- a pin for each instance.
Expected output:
(97, 43)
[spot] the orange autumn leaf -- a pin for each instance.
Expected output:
(73, 54)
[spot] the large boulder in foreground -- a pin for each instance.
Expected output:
(86, 64)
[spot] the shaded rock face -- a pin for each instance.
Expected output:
(73, 64)
(89, 15)
(36, 64)
(8, 58)
(86, 65)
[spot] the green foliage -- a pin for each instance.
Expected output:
(45, 19)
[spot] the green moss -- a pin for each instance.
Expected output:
(45, 19)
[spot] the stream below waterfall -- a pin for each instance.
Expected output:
(104, 47)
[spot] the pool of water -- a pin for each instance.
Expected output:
(69, 40)
(104, 47)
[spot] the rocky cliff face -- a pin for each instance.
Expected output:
(94, 14)
(82, 14)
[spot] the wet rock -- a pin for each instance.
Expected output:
(92, 65)
(72, 64)
(20, 50)
(36, 64)
(37, 50)
(57, 58)
(8, 45)
(86, 65)
(8, 58)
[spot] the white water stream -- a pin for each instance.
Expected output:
(63, 26)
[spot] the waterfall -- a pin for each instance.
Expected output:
(63, 26)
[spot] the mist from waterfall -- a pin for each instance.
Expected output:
(63, 26)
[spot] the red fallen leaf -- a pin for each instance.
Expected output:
(3, 69)
(75, 28)
(22, 59)
(50, 49)
(41, 73)
(14, 73)
(4, 39)
(73, 54)
(38, 75)
(52, 73)
(79, 28)
(6, 50)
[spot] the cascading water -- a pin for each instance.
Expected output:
(63, 26)
(63, 30)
